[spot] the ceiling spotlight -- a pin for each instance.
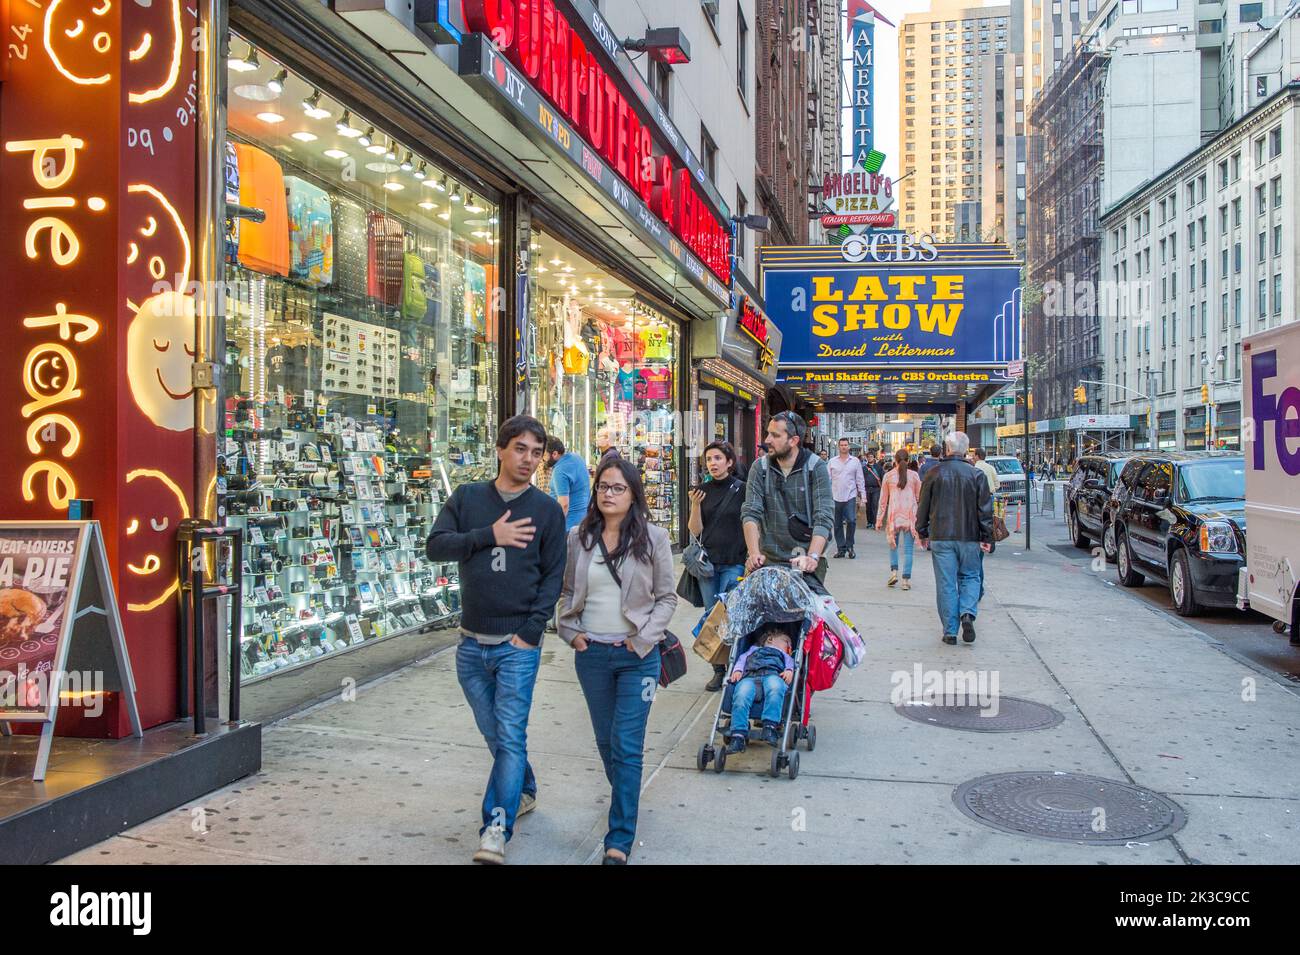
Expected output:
(393, 186)
(557, 261)
(422, 173)
(391, 154)
(276, 83)
(444, 215)
(427, 205)
(366, 138)
(312, 107)
(472, 205)
(270, 117)
(336, 154)
(407, 165)
(376, 149)
(345, 127)
(455, 193)
(542, 268)
(441, 184)
(304, 137)
(246, 63)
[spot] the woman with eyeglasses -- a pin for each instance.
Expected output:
(618, 597)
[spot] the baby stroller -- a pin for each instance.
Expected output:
(772, 596)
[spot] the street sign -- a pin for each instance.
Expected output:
(1016, 369)
(1002, 400)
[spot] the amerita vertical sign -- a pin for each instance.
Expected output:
(862, 38)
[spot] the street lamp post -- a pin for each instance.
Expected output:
(1211, 367)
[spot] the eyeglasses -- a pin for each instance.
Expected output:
(618, 490)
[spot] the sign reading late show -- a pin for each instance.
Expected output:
(935, 313)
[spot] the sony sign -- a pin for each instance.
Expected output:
(889, 247)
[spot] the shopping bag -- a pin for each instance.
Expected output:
(855, 648)
(709, 644)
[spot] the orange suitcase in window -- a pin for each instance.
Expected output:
(263, 246)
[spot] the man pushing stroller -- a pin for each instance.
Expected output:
(766, 664)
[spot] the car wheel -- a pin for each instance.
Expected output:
(1124, 566)
(1181, 588)
(1108, 543)
(1080, 539)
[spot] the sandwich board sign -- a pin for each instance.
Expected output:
(60, 628)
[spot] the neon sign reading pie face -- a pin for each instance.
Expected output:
(536, 38)
(51, 370)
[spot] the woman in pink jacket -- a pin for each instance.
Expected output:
(900, 489)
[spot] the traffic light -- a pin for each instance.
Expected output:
(1205, 394)
(1081, 395)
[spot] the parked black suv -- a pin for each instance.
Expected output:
(1086, 496)
(1181, 517)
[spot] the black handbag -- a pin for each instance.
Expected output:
(672, 655)
(688, 588)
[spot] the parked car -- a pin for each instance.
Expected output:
(1086, 496)
(1011, 477)
(1270, 389)
(1182, 520)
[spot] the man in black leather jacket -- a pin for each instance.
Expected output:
(955, 520)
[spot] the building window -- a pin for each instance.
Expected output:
(1277, 294)
(660, 75)
(742, 53)
(1276, 187)
(709, 154)
(1251, 12)
(1275, 143)
(1263, 297)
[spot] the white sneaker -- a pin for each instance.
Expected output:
(492, 846)
(893, 578)
(907, 584)
(527, 803)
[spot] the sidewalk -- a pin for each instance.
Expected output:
(397, 774)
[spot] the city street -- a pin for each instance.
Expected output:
(1147, 699)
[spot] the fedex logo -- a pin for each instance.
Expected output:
(1282, 409)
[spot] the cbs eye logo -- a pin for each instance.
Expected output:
(855, 248)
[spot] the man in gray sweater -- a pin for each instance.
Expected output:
(789, 509)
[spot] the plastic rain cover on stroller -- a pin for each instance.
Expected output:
(769, 595)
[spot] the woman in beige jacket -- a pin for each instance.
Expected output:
(618, 597)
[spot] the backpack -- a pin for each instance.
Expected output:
(825, 655)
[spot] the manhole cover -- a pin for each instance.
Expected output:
(1003, 714)
(1069, 807)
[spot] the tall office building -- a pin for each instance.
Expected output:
(826, 99)
(962, 108)
(785, 138)
(1052, 28)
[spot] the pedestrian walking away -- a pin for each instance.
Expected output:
(499, 531)
(618, 597)
(897, 516)
(932, 461)
(789, 508)
(848, 487)
(955, 520)
(977, 457)
(570, 483)
(871, 479)
(714, 519)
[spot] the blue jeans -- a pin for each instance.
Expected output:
(742, 698)
(498, 684)
(958, 572)
(619, 687)
(902, 541)
(725, 577)
(846, 524)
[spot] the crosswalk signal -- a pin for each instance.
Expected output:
(1205, 394)
(1081, 395)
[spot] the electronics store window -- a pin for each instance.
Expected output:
(602, 367)
(360, 366)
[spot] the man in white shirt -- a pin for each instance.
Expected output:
(848, 488)
(990, 473)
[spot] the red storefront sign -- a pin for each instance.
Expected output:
(97, 209)
(752, 322)
(540, 42)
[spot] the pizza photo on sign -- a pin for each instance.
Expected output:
(36, 569)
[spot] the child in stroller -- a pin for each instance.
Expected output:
(766, 664)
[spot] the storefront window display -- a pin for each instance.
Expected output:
(601, 363)
(360, 366)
